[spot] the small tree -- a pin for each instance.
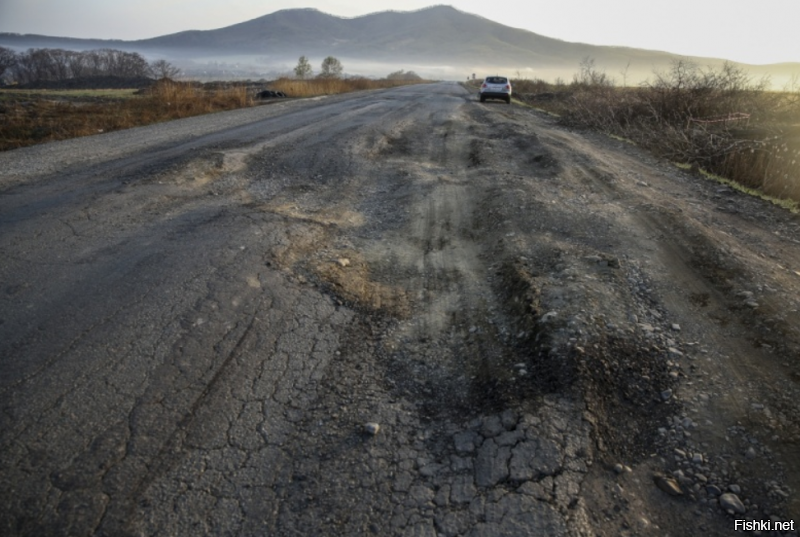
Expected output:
(303, 69)
(163, 69)
(331, 68)
(590, 76)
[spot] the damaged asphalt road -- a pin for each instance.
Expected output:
(399, 312)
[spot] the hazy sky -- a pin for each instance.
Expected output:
(749, 31)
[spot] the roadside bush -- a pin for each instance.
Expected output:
(183, 99)
(590, 76)
(718, 120)
(404, 75)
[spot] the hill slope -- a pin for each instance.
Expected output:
(439, 37)
(439, 33)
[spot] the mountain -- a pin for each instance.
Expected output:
(439, 35)
(439, 40)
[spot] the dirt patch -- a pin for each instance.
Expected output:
(625, 383)
(627, 387)
(348, 277)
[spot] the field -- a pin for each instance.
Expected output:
(35, 116)
(29, 117)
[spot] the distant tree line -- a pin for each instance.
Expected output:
(42, 64)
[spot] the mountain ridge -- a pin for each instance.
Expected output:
(439, 35)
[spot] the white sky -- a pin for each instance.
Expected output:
(749, 31)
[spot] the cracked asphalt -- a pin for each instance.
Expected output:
(202, 322)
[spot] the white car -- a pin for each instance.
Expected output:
(496, 87)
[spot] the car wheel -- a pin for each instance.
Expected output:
(508, 100)
(483, 99)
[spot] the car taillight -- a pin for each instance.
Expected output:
(508, 86)
(483, 85)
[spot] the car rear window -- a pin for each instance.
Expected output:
(496, 80)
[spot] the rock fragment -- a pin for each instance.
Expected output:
(731, 503)
(372, 428)
(668, 485)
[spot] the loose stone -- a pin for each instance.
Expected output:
(372, 428)
(731, 502)
(668, 485)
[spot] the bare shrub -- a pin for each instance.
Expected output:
(163, 69)
(404, 75)
(720, 120)
(590, 76)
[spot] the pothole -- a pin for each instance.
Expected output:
(347, 276)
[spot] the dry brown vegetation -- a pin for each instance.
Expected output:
(29, 117)
(718, 121)
(330, 86)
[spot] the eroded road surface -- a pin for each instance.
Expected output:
(395, 313)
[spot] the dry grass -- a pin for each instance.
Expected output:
(331, 86)
(28, 117)
(9, 94)
(717, 121)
